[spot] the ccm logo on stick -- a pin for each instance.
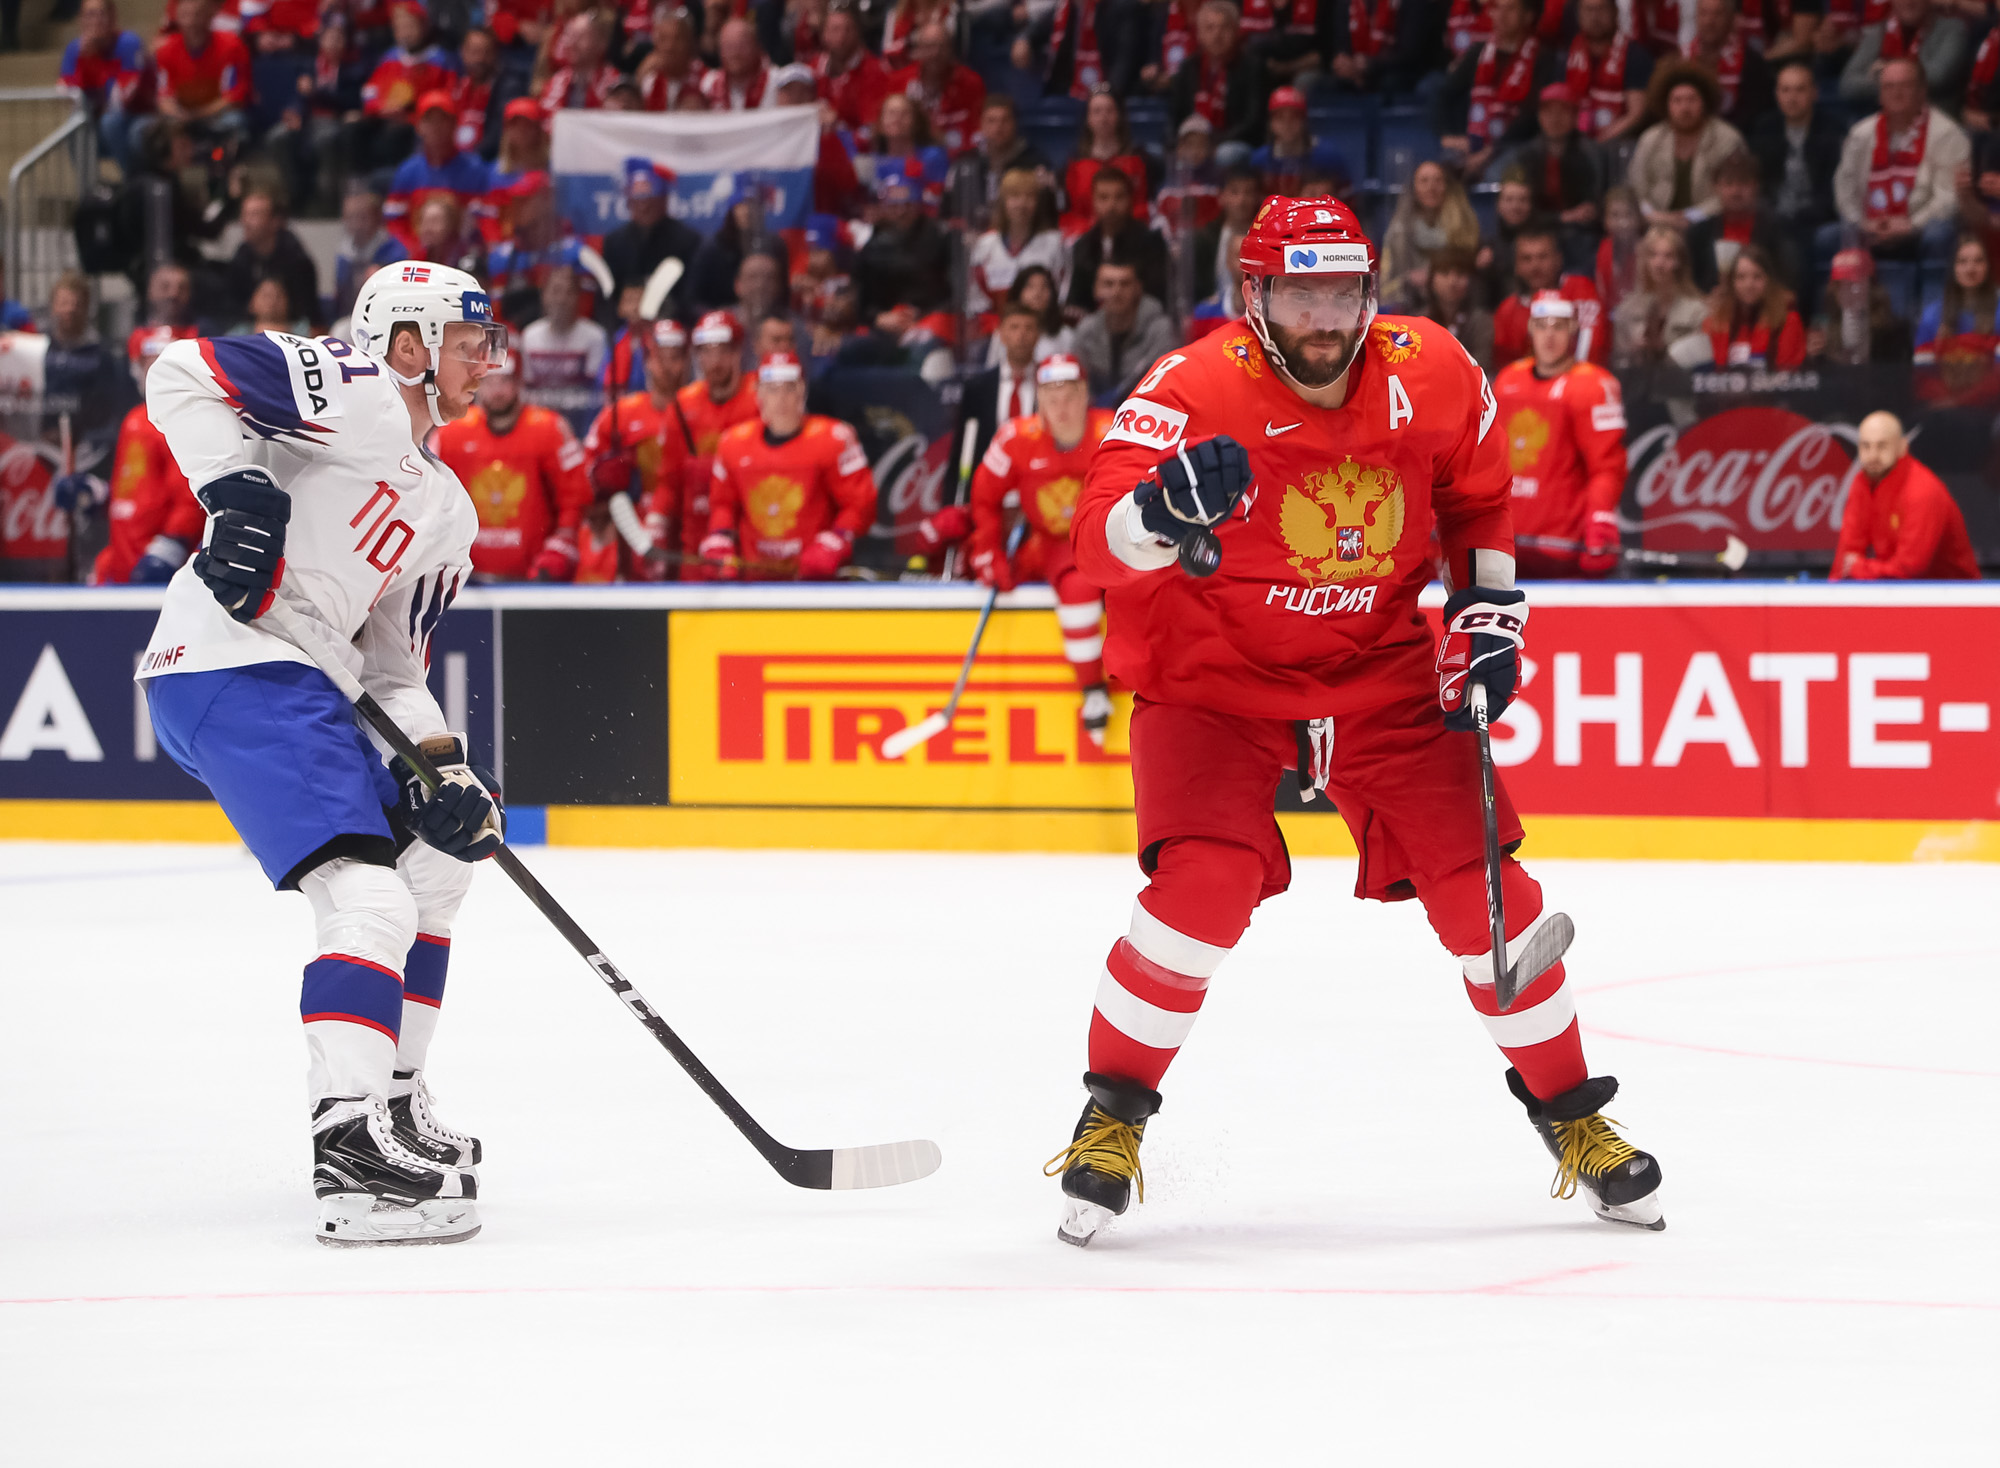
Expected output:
(1147, 424)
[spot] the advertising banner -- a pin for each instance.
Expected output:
(790, 709)
(709, 155)
(1769, 476)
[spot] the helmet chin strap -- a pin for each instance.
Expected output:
(428, 382)
(1255, 314)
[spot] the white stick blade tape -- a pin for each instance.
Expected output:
(904, 740)
(886, 1165)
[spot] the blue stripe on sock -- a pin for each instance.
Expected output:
(423, 970)
(342, 986)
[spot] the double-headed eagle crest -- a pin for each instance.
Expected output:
(772, 506)
(1055, 503)
(1344, 523)
(1527, 435)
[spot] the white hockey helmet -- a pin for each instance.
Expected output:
(429, 297)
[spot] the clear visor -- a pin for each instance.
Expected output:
(1317, 302)
(475, 344)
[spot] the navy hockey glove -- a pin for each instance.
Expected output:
(244, 559)
(463, 817)
(1484, 628)
(1194, 486)
(164, 556)
(79, 491)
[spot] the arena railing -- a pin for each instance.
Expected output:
(50, 142)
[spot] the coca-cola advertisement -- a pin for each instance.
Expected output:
(1768, 476)
(33, 527)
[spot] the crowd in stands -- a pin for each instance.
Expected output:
(1752, 183)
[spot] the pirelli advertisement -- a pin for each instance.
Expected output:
(1853, 722)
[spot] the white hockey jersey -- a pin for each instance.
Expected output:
(380, 538)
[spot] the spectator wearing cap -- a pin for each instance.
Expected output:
(1900, 523)
(1119, 341)
(650, 233)
(1005, 390)
(1607, 72)
(670, 68)
(852, 78)
(1564, 173)
(1114, 236)
(110, 70)
(410, 70)
(1217, 275)
(1673, 168)
(792, 491)
(589, 76)
(524, 146)
(1921, 31)
(1797, 149)
(436, 167)
(949, 93)
(742, 79)
(903, 271)
(1195, 184)
(1024, 233)
(1105, 141)
(270, 251)
(905, 148)
(202, 75)
(1486, 106)
(977, 173)
(1743, 219)
(1857, 321)
(1897, 184)
(1224, 81)
(1742, 79)
(1293, 152)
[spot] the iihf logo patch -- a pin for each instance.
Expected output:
(416, 275)
(1348, 542)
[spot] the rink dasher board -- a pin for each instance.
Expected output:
(690, 799)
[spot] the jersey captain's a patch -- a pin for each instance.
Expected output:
(1397, 344)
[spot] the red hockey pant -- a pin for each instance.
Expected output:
(1408, 789)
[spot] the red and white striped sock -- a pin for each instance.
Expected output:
(1154, 982)
(1083, 639)
(1539, 1034)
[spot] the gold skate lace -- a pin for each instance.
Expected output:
(1107, 1145)
(1589, 1148)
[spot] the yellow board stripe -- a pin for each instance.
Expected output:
(1657, 838)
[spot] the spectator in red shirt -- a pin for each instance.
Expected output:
(1751, 323)
(588, 78)
(851, 77)
(110, 69)
(949, 93)
(477, 95)
(204, 75)
(1105, 141)
(383, 136)
(670, 69)
(743, 80)
(278, 26)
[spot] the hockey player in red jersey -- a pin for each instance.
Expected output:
(1538, 266)
(1322, 452)
(523, 469)
(1563, 423)
(637, 447)
(722, 399)
(791, 491)
(1036, 466)
(155, 520)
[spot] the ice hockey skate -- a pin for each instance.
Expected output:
(1096, 714)
(1100, 1167)
(373, 1189)
(1621, 1182)
(413, 1115)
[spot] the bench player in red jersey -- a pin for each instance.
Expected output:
(636, 447)
(1563, 422)
(791, 490)
(722, 399)
(155, 520)
(1037, 465)
(1322, 450)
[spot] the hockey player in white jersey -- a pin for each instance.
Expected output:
(307, 454)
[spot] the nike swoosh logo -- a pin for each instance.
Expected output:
(1270, 432)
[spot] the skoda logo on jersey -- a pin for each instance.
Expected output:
(1326, 260)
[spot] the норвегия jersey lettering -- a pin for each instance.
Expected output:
(1314, 610)
(380, 537)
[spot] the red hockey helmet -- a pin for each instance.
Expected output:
(1303, 239)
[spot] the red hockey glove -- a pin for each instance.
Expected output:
(952, 523)
(1600, 545)
(1484, 628)
(991, 567)
(718, 548)
(613, 474)
(825, 554)
(557, 562)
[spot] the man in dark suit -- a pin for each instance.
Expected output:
(650, 234)
(1798, 151)
(999, 393)
(1114, 238)
(1221, 75)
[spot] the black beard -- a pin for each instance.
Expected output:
(1291, 348)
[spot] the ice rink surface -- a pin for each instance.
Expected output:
(1346, 1255)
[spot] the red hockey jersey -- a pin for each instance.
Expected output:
(777, 497)
(1314, 609)
(149, 496)
(1024, 463)
(706, 419)
(1593, 336)
(1565, 438)
(527, 484)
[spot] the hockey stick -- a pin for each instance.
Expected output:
(967, 440)
(840, 1167)
(1550, 941)
(904, 740)
(659, 285)
(1732, 557)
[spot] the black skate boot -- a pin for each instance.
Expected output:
(413, 1112)
(1621, 1182)
(1096, 713)
(1100, 1167)
(372, 1189)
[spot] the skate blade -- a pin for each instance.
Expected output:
(1643, 1213)
(363, 1221)
(1082, 1221)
